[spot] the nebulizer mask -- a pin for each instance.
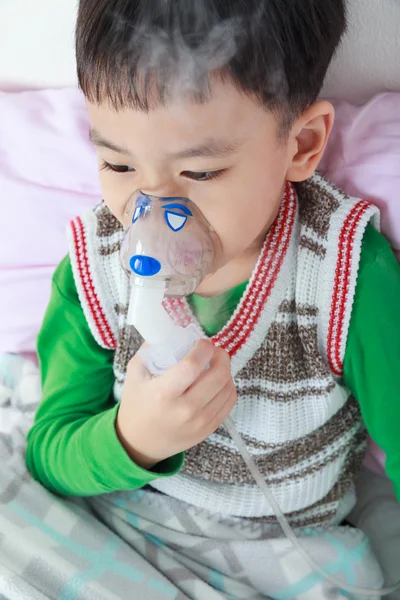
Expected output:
(168, 250)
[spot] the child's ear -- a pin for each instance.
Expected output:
(309, 137)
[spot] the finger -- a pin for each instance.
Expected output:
(181, 376)
(212, 381)
(210, 410)
(223, 409)
(136, 368)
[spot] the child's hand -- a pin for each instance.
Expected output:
(159, 417)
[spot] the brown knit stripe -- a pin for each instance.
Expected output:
(313, 468)
(255, 524)
(107, 224)
(305, 516)
(231, 469)
(333, 496)
(338, 492)
(129, 342)
(310, 520)
(319, 514)
(318, 519)
(110, 249)
(316, 206)
(309, 244)
(216, 462)
(290, 354)
(302, 310)
(344, 420)
(290, 396)
(121, 309)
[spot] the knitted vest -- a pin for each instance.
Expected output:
(286, 341)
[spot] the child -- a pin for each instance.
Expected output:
(216, 101)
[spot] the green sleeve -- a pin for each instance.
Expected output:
(73, 448)
(372, 359)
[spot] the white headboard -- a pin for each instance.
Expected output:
(37, 49)
(369, 60)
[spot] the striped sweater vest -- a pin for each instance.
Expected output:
(286, 341)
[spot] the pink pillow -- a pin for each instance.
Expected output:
(363, 157)
(47, 176)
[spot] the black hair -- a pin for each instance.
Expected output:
(275, 50)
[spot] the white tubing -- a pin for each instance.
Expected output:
(233, 432)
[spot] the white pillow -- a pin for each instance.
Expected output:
(37, 44)
(368, 61)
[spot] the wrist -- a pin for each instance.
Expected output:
(139, 458)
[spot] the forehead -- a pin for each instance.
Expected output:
(226, 115)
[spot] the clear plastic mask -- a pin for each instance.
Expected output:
(168, 241)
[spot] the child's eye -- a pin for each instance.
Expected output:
(106, 166)
(202, 176)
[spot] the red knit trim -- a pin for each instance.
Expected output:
(236, 333)
(344, 267)
(177, 310)
(95, 308)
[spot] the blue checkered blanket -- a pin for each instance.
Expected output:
(144, 545)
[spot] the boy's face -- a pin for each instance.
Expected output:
(225, 155)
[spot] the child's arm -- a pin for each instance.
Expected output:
(73, 447)
(372, 359)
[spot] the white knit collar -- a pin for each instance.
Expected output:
(245, 331)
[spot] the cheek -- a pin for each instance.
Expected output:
(244, 224)
(116, 190)
(248, 208)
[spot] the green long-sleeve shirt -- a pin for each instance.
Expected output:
(73, 447)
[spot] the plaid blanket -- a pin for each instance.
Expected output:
(142, 544)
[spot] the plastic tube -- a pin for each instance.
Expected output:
(287, 529)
